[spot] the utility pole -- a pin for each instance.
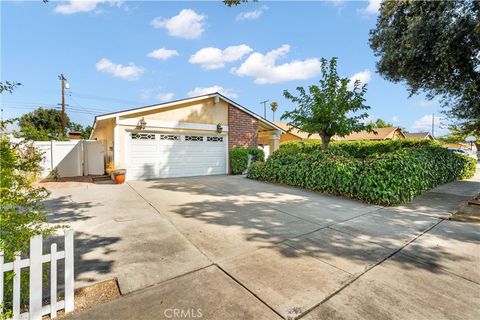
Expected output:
(63, 79)
(264, 108)
(433, 125)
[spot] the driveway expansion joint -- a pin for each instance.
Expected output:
(355, 278)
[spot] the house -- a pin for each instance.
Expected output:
(189, 137)
(419, 135)
(388, 133)
(293, 134)
(74, 135)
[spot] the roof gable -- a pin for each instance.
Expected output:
(165, 105)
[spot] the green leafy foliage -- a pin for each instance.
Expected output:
(239, 158)
(22, 214)
(42, 125)
(358, 149)
(383, 172)
(330, 108)
(21, 209)
(232, 3)
(8, 86)
(380, 123)
(433, 47)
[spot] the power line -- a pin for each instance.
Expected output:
(84, 95)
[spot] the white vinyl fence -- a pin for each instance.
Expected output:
(35, 262)
(71, 158)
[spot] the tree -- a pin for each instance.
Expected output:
(380, 123)
(326, 109)
(86, 132)
(43, 124)
(22, 213)
(232, 3)
(434, 47)
(8, 86)
(274, 107)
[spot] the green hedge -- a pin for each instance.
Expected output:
(357, 149)
(239, 158)
(382, 177)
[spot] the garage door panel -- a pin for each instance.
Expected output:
(159, 157)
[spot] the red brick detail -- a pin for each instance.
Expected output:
(242, 129)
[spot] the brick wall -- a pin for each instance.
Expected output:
(242, 129)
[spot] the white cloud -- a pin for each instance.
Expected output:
(262, 67)
(165, 96)
(372, 7)
(214, 58)
(187, 24)
(163, 54)
(251, 15)
(395, 119)
(75, 6)
(130, 72)
(427, 103)
(363, 76)
(425, 124)
(201, 91)
(145, 94)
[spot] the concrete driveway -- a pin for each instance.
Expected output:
(232, 248)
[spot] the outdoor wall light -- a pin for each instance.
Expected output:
(219, 128)
(142, 123)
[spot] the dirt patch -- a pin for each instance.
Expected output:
(91, 296)
(469, 212)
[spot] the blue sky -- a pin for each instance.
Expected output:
(118, 55)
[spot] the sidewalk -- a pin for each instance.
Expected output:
(403, 262)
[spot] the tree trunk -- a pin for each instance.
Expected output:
(325, 142)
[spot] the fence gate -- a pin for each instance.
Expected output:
(71, 158)
(35, 262)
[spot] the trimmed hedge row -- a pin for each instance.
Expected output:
(357, 149)
(239, 158)
(385, 178)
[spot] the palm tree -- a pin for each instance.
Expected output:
(274, 107)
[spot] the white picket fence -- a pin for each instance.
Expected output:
(35, 262)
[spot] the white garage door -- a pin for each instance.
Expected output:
(167, 155)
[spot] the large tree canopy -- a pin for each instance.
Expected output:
(329, 109)
(433, 46)
(380, 123)
(43, 124)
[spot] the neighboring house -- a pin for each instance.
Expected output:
(379, 134)
(292, 133)
(419, 135)
(189, 137)
(389, 133)
(460, 145)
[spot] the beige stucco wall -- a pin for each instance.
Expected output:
(206, 111)
(104, 132)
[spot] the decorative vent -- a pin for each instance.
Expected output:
(193, 138)
(215, 139)
(169, 137)
(143, 136)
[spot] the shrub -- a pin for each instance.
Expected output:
(374, 172)
(357, 149)
(22, 213)
(239, 158)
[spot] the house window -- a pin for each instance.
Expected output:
(143, 136)
(215, 139)
(193, 138)
(171, 137)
